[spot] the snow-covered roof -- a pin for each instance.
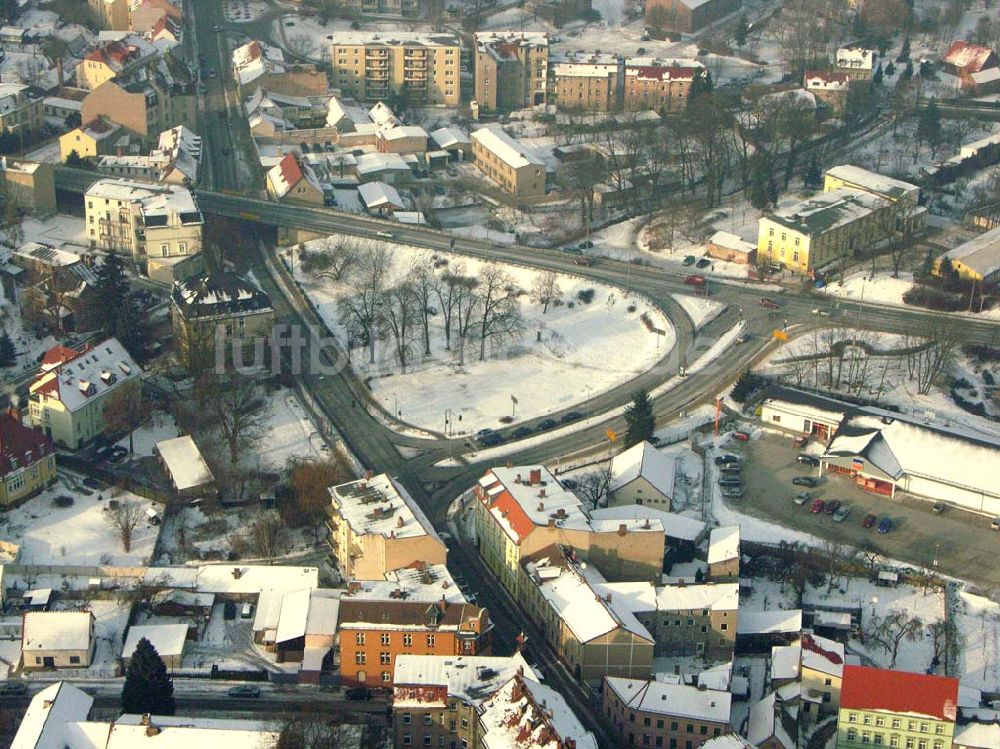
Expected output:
(254, 59)
(873, 182)
(184, 462)
(643, 460)
(727, 741)
(234, 577)
(674, 526)
(822, 654)
(519, 505)
(524, 713)
(977, 735)
(577, 65)
(45, 725)
(712, 596)
(503, 45)
(981, 254)
(93, 373)
(153, 200)
(380, 506)
(449, 137)
(372, 163)
(378, 194)
(398, 132)
(394, 39)
(785, 661)
(672, 699)
(422, 582)
(772, 621)
(827, 211)
(178, 149)
(968, 58)
(45, 253)
(765, 718)
(168, 639)
(732, 241)
(469, 678)
(172, 732)
(56, 630)
(505, 148)
(410, 217)
(585, 612)
(287, 173)
(724, 544)
(826, 80)
(856, 57)
(223, 293)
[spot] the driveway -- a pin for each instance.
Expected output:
(963, 542)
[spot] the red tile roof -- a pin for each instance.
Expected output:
(17, 441)
(899, 692)
(969, 58)
(58, 355)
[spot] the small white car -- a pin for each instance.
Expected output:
(820, 312)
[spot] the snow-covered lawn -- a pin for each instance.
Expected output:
(160, 426)
(77, 534)
(701, 310)
(573, 352)
(291, 433)
(979, 623)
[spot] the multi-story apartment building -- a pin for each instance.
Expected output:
(511, 69)
(435, 697)
(373, 632)
(21, 107)
(586, 83)
(688, 16)
(115, 58)
(650, 83)
(146, 101)
(817, 665)
(508, 163)
(226, 305)
(145, 221)
(425, 68)
(66, 401)
(523, 509)
(376, 526)
(27, 460)
(112, 15)
(30, 184)
(879, 707)
(593, 631)
(660, 714)
(724, 554)
(694, 619)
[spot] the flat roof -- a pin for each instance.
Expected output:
(394, 39)
(380, 506)
(672, 699)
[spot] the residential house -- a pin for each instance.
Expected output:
(112, 15)
(300, 626)
(373, 632)
(21, 107)
(57, 639)
(152, 17)
(203, 308)
(424, 67)
(98, 137)
(817, 664)
(829, 86)
(773, 722)
(695, 619)
(27, 461)
(176, 160)
(257, 65)
(664, 714)
(114, 58)
(30, 184)
(376, 526)
(67, 399)
(586, 83)
(724, 245)
(642, 475)
(662, 85)
(401, 139)
(435, 698)
(689, 16)
(724, 554)
(508, 163)
(189, 475)
(873, 183)
(977, 259)
(382, 167)
(966, 60)
(388, 8)
(857, 61)
(293, 181)
(526, 713)
(523, 509)
(380, 199)
(511, 69)
(51, 716)
(896, 708)
(454, 141)
(168, 639)
(594, 632)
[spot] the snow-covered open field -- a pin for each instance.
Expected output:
(573, 352)
(291, 433)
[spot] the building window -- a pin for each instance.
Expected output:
(385, 638)
(894, 741)
(852, 734)
(359, 638)
(74, 659)
(431, 639)
(406, 739)
(866, 719)
(879, 719)
(427, 719)
(407, 719)
(924, 728)
(939, 729)
(407, 640)
(896, 723)
(877, 739)
(359, 658)
(385, 658)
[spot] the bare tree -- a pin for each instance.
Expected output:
(363, 308)
(426, 287)
(946, 638)
(889, 631)
(126, 409)
(546, 289)
(265, 536)
(500, 314)
(123, 518)
(447, 294)
(872, 556)
(467, 304)
(593, 487)
(399, 313)
(239, 410)
(944, 337)
(313, 728)
(334, 260)
(837, 555)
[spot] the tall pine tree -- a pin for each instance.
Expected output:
(116, 313)
(148, 688)
(8, 355)
(640, 419)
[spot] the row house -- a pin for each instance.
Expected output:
(511, 70)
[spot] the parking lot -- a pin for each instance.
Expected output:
(963, 542)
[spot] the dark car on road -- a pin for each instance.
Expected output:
(547, 425)
(573, 250)
(809, 481)
(491, 439)
(703, 263)
(571, 416)
(522, 432)
(808, 460)
(768, 303)
(245, 691)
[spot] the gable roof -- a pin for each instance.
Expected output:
(45, 723)
(643, 460)
(969, 58)
(724, 544)
(880, 689)
(19, 445)
(672, 699)
(56, 630)
(167, 639)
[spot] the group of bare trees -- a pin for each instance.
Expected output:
(404, 311)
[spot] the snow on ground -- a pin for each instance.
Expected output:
(77, 534)
(567, 355)
(160, 426)
(47, 153)
(291, 433)
(861, 287)
(701, 310)
(979, 623)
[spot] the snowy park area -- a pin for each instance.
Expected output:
(530, 361)
(290, 433)
(50, 533)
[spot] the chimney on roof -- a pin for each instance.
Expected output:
(646, 525)
(702, 687)
(369, 474)
(541, 506)
(144, 720)
(519, 646)
(353, 587)
(552, 522)
(152, 730)
(607, 598)
(510, 464)
(399, 521)
(47, 704)
(622, 529)
(517, 479)
(541, 492)
(59, 74)
(535, 476)
(237, 573)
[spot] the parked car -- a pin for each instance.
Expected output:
(13, 688)
(731, 468)
(744, 337)
(801, 441)
(801, 498)
(820, 312)
(727, 458)
(573, 250)
(586, 262)
(571, 416)
(808, 460)
(586, 245)
(817, 506)
(730, 480)
(229, 611)
(118, 454)
(569, 483)
(841, 514)
(869, 521)
(95, 484)
(938, 508)
(245, 691)
(689, 260)
(491, 440)
(357, 694)
(695, 280)
(995, 524)
(521, 432)
(384, 234)
(732, 492)
(246, 611)
(741, 436)
(768, 303)
(703, 263)
(547, 425)
(885, 525)
(483, 432)
(832, 506)
(809, 481)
